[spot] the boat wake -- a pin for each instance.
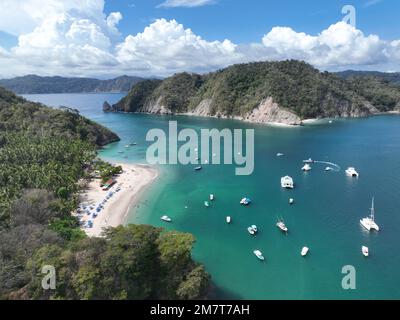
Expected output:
(335, 167)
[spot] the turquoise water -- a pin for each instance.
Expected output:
(325, 216)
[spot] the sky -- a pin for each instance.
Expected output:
(108, 38)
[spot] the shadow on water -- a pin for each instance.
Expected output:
(218, 293)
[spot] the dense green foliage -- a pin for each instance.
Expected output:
(134, 262)
(106, 170)
(34, 84)
(391, 77)
(294, 85)
(43, 154)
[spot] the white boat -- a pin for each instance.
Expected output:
(259, 254)
(279, 154)
(287, 182)
(306, 167)
(206, 203)
(166, 219)
(198, 168)
(255, 228)
(291, 201)
(281, 225)
(228, 219)
(245, 201)
(308, 161)
(211, 197)
(304, 251)
(328, 169)
(351, 172)
(251, 231)
(365, 251)
(369, 222)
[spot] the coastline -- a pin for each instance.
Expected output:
(132, 181)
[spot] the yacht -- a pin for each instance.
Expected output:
(211, 197)
(304, 251)
(281, 225)
(369, 222)
(245, 201)
(306, 167)
(228, 219)
(351, 172)
(166, 219)
(287, 182)
(365, 251)
(259, 254)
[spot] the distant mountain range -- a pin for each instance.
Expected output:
(32, 84)
(265, 92)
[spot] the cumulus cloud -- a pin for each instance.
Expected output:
(185, 3)
(77, 38)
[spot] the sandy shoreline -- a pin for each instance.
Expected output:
(131, 182)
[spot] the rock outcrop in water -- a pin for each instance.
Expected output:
(284, 92)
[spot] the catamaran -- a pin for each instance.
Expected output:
(369, 222)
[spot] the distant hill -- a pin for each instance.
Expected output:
(392, 77)
(32, 84)
(280, 92)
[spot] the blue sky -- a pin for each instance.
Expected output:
(106, 38)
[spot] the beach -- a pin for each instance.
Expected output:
(130, 183)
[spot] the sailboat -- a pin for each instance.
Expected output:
(369, 222)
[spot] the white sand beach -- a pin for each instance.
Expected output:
(130, 183)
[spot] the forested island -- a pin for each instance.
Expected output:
(33, 84)
(281, 92)
(44, 154)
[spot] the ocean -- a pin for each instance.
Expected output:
(325, 216)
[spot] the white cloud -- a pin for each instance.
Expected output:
(77, 38)
(185, 3)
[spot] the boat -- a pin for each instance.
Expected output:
(245, 201)
(291, 201)
(365, 251)
(309, 161)
(228, 219)
(304, 251)
(328, 169)
(251, 231)
(166, 219)
(198, 168)
(133, 144)
(351, 172)
(279, 154)
(211, 197)
(306, 167)
(206, 203)
(287, 182)
(259, 254)
(281, 225)
(369, 222)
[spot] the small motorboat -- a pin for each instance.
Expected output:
(206, 203)
(166, 219)
(211, 197)
(365, 251)
(198, 168)
(287, 182)
(304, 251)
(308, 161)
(259, 254)
(306, 167)
(228, 219)
(251, 231)
(279, 154)
(328, 169)
(351, 172)
(245, 201)
(291, 201)
(281, 225)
